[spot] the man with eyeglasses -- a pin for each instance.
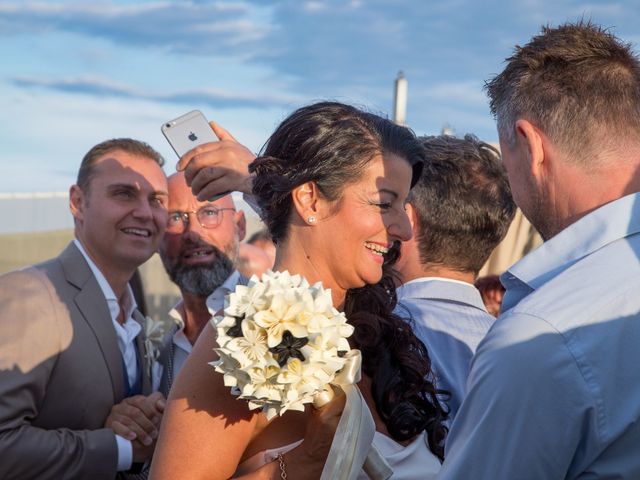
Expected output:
(199, 251)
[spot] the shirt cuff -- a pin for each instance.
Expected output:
(125, 453)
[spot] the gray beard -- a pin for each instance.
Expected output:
(202, 280)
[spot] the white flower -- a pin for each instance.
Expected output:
(154, 333)
(246, 300)
(251, 347)
(281, 315)
(280, 342)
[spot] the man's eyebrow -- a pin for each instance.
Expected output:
(121, 186)
(132, 187)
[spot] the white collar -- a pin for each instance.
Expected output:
(215, 301)
(128, 302)
(439, 279)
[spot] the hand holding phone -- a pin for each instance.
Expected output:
(187, 132)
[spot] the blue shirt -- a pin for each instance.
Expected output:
(554, 388)
(450, 319)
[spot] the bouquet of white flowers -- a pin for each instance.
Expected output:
(280, 342)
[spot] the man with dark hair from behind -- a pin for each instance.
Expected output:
(554, 389)
(459, 210)
(75, 379)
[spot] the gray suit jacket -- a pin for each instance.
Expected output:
(61, 371)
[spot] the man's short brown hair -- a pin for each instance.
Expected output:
(133, 147)
(462, 201)
(578, 83)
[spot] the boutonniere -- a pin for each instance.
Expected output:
(154, 334)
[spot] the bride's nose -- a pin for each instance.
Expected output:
(400, 229)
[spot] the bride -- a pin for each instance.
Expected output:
(331, 185)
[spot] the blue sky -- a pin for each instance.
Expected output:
(74, 73)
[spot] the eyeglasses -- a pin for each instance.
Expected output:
(208, 217)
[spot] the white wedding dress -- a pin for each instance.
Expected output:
(413, 462)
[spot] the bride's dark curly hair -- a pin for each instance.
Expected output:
(402, 382)
(331, 144)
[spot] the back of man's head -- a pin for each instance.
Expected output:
(463, 203)
(578, 83)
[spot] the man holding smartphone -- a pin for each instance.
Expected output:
(73, 364)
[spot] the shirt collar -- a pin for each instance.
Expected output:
(128, 301)
(215, 301)
(439, 288)
(177, 313)
(610, 222)
(439, 279)
(179, 338)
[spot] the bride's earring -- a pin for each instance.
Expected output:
(311, 219)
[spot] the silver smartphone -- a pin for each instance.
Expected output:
(187, 132)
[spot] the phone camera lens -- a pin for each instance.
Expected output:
(167, 125)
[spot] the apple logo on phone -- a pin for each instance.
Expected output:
(193, 137)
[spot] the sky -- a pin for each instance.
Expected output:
(74, 73)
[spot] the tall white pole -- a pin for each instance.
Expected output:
(400, 100)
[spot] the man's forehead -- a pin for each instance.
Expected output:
(124, 159)
(185, 204)
(137, 171)
(181, 198)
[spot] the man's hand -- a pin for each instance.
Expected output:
(217, 167)
(137, 418)
(142, 453)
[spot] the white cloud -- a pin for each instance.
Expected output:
(42, 151)
(177, 26)
(314, 6)
(101, 87)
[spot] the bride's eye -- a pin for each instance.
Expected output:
(382, 205)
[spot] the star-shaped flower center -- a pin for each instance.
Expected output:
(236, 330)
(288, 348)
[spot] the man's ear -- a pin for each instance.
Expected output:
(77, 202)
(413, 218)
(306, 201)
(241, 225)
(532, 141)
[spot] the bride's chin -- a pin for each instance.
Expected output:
(370, 281)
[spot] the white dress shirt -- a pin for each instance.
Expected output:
(215, 302)
(126, 334)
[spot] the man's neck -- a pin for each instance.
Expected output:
(116, 278)
(615, 176)
(439, 271)
(196, 315)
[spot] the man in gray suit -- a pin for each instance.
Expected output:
(459, 210)
(199, 251)
(74, 367)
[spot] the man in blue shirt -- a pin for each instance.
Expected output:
(554, 388)
(460, 209)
